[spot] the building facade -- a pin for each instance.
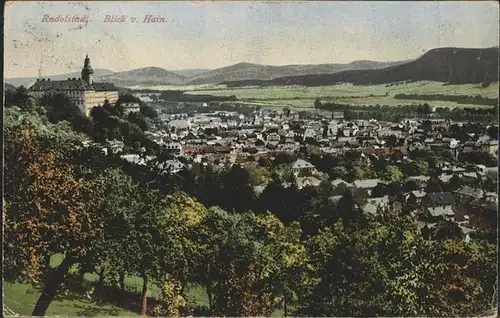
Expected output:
(130, 108)
(83, 92)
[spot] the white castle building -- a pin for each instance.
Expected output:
(83, 92)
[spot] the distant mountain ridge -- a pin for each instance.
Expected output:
(144, 76)
(245, 71)
(452, 65)
(150, 76)
(190, 72)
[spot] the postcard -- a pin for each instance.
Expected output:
(250, 158)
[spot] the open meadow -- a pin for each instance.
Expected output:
(304, 97)
(21, 297)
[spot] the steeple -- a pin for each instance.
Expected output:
(87, 71)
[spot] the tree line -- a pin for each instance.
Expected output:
(180, 96)
(397, 113)
(460, 99)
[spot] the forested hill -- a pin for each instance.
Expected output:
(453, 65)
(143, 76)
(250, 71)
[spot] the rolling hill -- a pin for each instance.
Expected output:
(190, 72)
(452, 65)
(27, 81)
(143, 76)
(249, 71)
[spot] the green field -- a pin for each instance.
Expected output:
(195, 295)
(21, 298)
(303, 97)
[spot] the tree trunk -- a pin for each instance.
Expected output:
(210, 299)
(285, 306)
(51, 287)
(144, 297)
(46, 260)
(100, 283)
(48, 277)
(122, 281)
(81, 273)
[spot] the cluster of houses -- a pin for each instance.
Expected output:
(470, 207)
(232, 136)
(225, 138)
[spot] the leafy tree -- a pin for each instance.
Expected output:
(83, 124)
(339, 172)
(138, 119)
(409, 186)
(245, 260)
(113, 110)
(349, 210)
(391, 141)
(19, 97)
(492, 132)
(258, 175)
(393, 173)
(282, 202)
(110, 254)
(416, 168)
(283, 158)
(320, 210)
(317, 103)
(59, 107)
(458, 290)
(426, 109)
(379, 191)
(359, 173)
(448, 230)
(100, 116)
(53, 213)
(178, 228)
(455, 183)
(237, 191)
(209, 187)
(148, 111)
(347, 276)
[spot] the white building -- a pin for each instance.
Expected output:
(130, 108)
(83, 92)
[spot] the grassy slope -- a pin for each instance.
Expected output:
(19, 301)
(22, 303)
(300, 96)
(18, 298)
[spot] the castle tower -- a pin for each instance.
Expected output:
(87, 71)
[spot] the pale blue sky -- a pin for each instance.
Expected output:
(215, 34)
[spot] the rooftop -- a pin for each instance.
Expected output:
(302, 164)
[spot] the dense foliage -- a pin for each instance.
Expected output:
(291, 248)
(397, 113)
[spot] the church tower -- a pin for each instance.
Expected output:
(87, 71)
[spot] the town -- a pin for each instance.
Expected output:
(385, 164)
